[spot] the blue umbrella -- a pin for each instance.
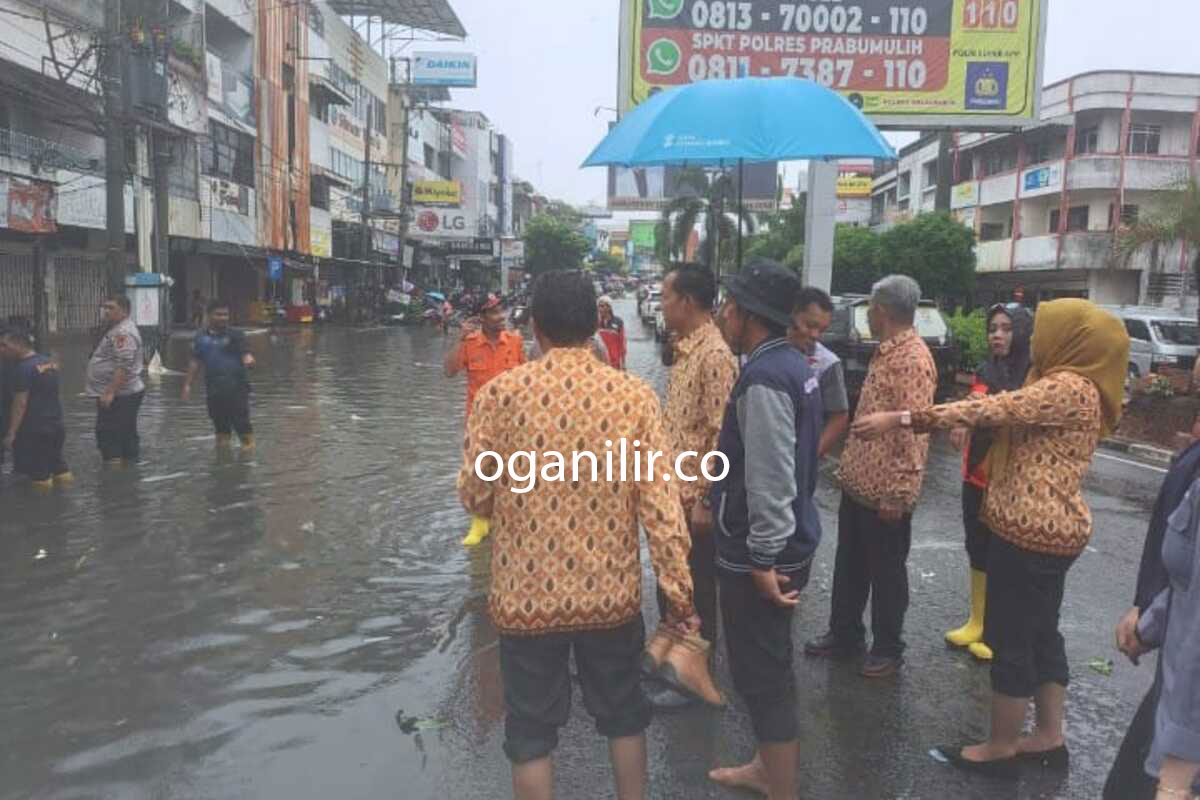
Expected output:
(720, 122)
(438, 296)
(746, 119)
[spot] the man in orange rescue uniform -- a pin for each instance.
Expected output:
(485, 349)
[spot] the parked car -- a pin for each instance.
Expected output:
(849, 336)
(660, 325)
(1158, 338)
(651, 305)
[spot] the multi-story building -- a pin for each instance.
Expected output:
(255, 118)
(1047, 202)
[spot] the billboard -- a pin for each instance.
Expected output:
(906, 63)
(437, 193)
(444, 69)
(444, 222)
(855, 180)
(26, 205)
(643, 234)
(653, 188)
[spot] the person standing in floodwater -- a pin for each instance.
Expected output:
(222, 353)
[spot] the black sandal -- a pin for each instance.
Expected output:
(1004, 768)
(1055, 758)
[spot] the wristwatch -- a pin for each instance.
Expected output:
(905, 419)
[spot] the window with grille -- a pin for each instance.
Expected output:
(1087, 140)
(1144, 140)
(229, 154)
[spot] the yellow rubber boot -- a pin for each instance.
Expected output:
(64, 478)
(972, 632)
(248, 441)
(479, 530)
(42, 486)
(980, 650)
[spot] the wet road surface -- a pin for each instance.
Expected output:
(301, 621)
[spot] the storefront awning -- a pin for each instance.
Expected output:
(435, 16)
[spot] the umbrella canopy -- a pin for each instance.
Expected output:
(747, 120)
(438, 296)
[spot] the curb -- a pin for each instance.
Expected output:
(1144, 452)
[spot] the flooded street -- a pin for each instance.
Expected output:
(302, 622)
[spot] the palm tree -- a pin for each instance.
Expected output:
(713, 203)
(1177, 222)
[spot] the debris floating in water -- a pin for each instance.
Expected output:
(309, 526)
(1104, 666)
(40, 554)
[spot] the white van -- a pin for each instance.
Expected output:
(1158, 338)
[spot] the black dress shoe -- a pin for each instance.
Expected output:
(881, 666)
(1004, 768)
(829, 646)
(1056, 758)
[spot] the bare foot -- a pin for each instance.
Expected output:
(752, 776)
(986, 752)
(1039, 743)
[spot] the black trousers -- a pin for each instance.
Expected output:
(1127, 780)
(229, 413)
(871, 561)
(38, 456)
(1024, 596)
(116, 428)
(537, 686)
(977, 533)
(702, 563)
(758, 638)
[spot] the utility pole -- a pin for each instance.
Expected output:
(161, 148)
(114, 144)
(366, 186)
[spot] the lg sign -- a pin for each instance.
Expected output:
(447, 222)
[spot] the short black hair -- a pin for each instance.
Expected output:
(812, 296)
(697, 282)
(213, 305)
(122, 302)
(564, 306)
(17, 336)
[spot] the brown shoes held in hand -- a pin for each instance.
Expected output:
(681, 661)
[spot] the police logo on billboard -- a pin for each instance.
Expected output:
(987, 85)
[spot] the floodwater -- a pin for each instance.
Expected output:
(301, 621)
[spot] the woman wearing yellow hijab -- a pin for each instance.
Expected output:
(1044, 438)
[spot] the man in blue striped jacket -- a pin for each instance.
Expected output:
(766, 524)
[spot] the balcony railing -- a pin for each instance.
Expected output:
(42, 154)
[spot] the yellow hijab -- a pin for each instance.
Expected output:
(1072, 335)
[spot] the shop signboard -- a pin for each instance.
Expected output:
(443, 222)
(965, 194)
(1042, 180)
(437, 193)
(512, 253)
(476, 246)
(643, 234)
(905, 63)
(444, 69)
(275, 267)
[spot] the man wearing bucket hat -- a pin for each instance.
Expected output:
(763, 510)
(485, 350)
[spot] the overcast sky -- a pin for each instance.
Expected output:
(544, 68)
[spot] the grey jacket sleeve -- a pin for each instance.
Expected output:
(767, 421)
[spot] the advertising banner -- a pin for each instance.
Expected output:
(903, 62)
(854, 182)
(1042, 180)
(642, 234)
(444, 69)
(512, 253)
(653, 188)
(444, 222)
(437, 193)
(26, 206)
(965, 194)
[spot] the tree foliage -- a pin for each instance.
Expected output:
(970, 332)
(855, 260)
(1178, 221)
(781, 237)
(713, 204)
(553, 241)
(934, 249)
(607, 264)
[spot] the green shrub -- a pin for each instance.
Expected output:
(970, 332)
